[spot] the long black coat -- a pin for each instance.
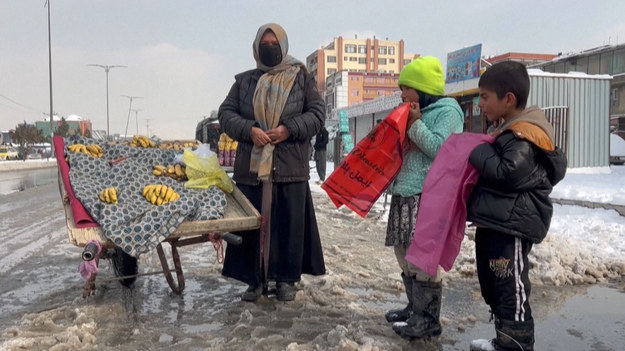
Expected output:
(512, 194)
(303, 116)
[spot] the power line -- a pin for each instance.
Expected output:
(19, 104)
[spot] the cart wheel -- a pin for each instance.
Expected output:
(123, 265)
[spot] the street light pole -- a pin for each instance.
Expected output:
(147, 127)
(129, 110)
(50, 70)
(136, 111)
(107, 68)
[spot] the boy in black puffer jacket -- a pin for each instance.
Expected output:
(510, 204)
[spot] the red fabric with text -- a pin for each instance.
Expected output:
(371, 166)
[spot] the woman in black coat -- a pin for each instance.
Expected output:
(273, 111)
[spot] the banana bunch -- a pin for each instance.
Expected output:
(141, 141)
(177, 171)
(92, 149)
(108, 195)
(159, 194)
(178, 145)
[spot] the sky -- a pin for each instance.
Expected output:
(182, 55)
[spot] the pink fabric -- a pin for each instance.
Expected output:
(88, 268)
(82, 218)
(442, 215)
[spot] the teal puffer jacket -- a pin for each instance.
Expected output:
(424, 139)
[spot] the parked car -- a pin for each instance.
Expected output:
(8, 153)
(33, 156)
(617, 149)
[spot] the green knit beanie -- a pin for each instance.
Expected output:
(424, 74)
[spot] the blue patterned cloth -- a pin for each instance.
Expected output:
(134, 224)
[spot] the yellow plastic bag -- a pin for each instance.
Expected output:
(204, 172)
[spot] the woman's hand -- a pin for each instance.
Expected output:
(278, 135)
(259, 137)
(414, 114)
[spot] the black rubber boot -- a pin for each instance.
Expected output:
(511, 336)
(426, 307)
(252, 294)
(405, 313)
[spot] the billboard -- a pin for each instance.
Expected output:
(464, 64)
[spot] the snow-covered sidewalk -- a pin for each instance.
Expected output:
(584, 245)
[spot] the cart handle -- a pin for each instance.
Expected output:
(231, 238)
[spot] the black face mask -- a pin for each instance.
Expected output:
(269, 55)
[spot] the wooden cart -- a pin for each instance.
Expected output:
(240, 215)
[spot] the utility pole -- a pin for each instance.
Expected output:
(129, 110)
(107, 68)
(50, 70)
(147, 127)
(136, 111)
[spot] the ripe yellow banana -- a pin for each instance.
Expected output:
(148, 188)
(113, 195)
(178, 170)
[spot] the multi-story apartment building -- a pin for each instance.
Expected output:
(345, 88)
(350, 71)
(357, 55)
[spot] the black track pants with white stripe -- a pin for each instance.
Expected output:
(503, 272)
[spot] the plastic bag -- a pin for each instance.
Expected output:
(371, 166)
(203, 171)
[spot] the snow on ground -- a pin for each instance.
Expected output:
(342, 310)
(583, 245)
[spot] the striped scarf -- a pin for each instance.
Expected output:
(272, 91)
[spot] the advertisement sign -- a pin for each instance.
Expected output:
(464, 64)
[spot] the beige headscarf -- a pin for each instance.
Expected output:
(272, 91)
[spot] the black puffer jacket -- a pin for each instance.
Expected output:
(512, 194)
(303, 116)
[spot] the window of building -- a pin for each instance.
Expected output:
(391, 60)
(618, 62)
(391, 50)
(606, 63)
(391, 71)
(331, 58)
(355, 92)
(369, 79)
(381, 80)
(381, 61)
(382, 50)
(361, 70)
(350, 48)
(582, 64)
(406, 62)
(362, 60)
(380, 92)
(353, 58)
(331, 71)
(345, 58)
(362, 49)
(354, 78)
(548, 68)
(594, 64)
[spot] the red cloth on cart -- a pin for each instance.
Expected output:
(82, 218)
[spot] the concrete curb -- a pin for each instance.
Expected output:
(618, 208)
(28, 164)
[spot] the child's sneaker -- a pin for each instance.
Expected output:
(482, 345)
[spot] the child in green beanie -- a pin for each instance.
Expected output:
(432, 118)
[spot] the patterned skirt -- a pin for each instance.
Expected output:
(401, 220)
